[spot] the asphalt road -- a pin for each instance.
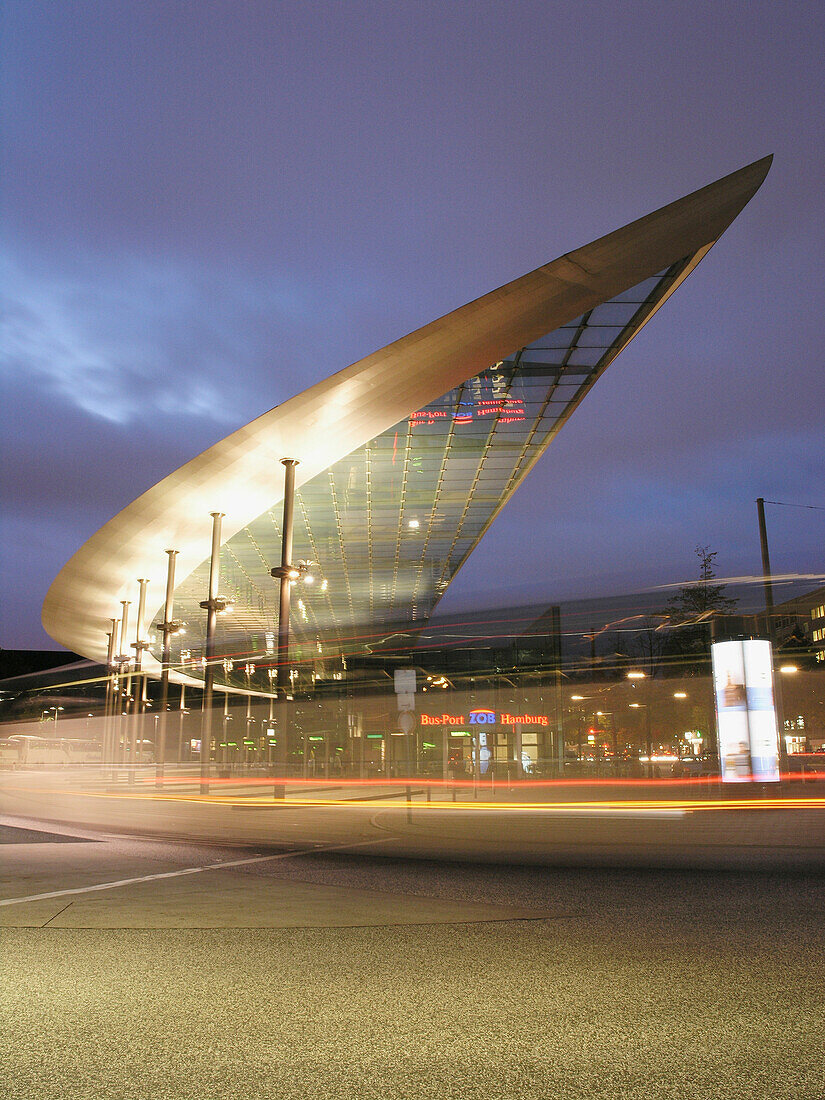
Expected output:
(286, 972)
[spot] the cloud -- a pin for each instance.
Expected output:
(124, 340)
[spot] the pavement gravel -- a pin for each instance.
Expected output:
(697, 986)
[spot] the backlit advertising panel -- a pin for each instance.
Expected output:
(745, 711)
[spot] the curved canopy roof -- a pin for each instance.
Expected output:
(404, 457)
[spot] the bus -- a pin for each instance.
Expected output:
(22, 750)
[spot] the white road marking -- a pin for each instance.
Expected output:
(190, 871)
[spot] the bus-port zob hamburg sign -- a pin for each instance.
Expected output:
(480, 716)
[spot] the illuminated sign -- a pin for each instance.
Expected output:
(488, 395)
(745, 711)
(524, 720)
(482, 716)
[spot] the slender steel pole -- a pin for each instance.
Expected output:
(138, 646)
(139, 643)
(557, 674)
(181, 717)
(283, 574)
(285, 582)
(167, 630)
(771, 625)
(125, 688)
(211, 607)
(110, 690)
(766, 565)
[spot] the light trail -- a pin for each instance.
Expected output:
(613, 806)
(458, 784)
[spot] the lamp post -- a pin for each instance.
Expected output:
(636, 674)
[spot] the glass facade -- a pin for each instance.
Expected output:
(386, 528)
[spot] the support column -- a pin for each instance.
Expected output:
(210, 605)
(285, 573)
(181, 721)
(167, 628)
(124, 689)
(107, 749)
(138, 645)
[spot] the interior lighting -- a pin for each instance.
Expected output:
(413, 524)
(324, 585)
(577, 698)
(635, 705)
(680, 695)
(635, 675)
(788, 668)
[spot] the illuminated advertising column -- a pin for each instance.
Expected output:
(745, 711)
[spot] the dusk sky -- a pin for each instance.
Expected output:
(209, 206)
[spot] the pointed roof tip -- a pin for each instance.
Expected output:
(755, 172)
(746, 180)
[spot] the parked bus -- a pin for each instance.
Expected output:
(22, 750)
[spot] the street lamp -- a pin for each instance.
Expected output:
(56, 711)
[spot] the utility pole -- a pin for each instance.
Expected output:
(770, 623)
(766, 565)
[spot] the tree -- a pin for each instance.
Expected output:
(692, 608)
(695, 601)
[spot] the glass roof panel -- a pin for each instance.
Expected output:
(387, 527)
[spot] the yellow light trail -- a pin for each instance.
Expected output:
(608, 806)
